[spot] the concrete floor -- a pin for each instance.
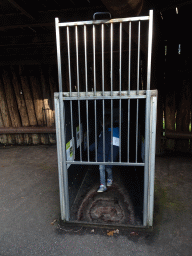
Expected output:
(29, 210)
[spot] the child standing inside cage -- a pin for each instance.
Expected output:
(110, 155)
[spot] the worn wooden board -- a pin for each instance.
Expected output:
(47, 103)
(183, 115)
(19, 97)
(3, 137)
(4, 111)
(170, 108)
(28, 100)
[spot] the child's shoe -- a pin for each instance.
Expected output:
(109, 182)
(102, 188)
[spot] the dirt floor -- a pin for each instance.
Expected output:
(30, 210)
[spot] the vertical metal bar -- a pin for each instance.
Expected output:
(85, 49)
(78, 93)
(128, 131)
(86, 85)
(149, 49)
(103, 130)
(95, 102)
(111, 59)
(63, 139)
(138, 55)
(120, 130)
(63, 150)
(147, 125)
(72, 131)
(69, 60)
(70, 87)
(94, 60)
(146, 168)
(137, 123)
(62, 126)
(102, 39)
(120, 55)
(103, 88)
(77, 57)
(79, 113)
(111, 130)
(58, 54)
(129, 88)
(95, 108)
(60, 160)
(152, 158)
(129, 61)
(111, 92)
(120, 85)
(87, 116)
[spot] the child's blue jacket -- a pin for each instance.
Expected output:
(107, 146)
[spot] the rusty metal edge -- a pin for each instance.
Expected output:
(106, 226)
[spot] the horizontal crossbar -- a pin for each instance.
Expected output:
(105, 163)
(97, 22)
(99, 95)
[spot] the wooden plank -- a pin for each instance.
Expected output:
(27, 130)
(159, 129)
(38, 102)
(29, 102)
(47, 100)
(3, 137)
(28, 98)
(4, 111)
(53, 88)
(170, 109)
(183, 115)
(48, 112)
(4, 107)
(12, 104)
(37, 99)
(20, 98)
(20, 101)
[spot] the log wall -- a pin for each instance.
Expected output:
(27, 100)
(176, 104)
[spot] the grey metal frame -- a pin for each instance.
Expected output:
(148, 95)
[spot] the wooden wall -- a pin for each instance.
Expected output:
(27, 100)
(175, 103)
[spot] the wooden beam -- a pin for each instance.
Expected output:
(47, 19)
(26, 130)
(21, 9)
(178, 135)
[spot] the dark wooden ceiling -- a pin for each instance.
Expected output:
(27, 30)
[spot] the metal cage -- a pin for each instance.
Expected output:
(115, 82)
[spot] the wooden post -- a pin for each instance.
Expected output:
(12, 105)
